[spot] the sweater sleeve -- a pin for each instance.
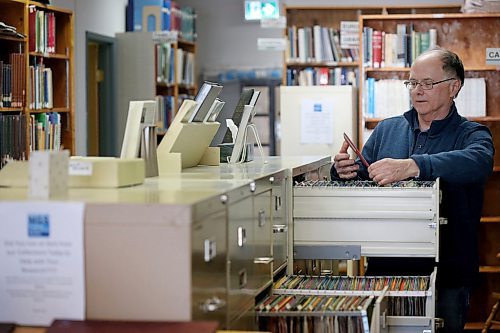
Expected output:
(472, 163)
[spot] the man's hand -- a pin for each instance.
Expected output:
(389, 170)
(344, 164)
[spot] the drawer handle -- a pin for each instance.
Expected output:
(210, 247)
(242, 236)
(263, 260)
(279, 228)
(212, 304)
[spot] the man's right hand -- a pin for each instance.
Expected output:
(344, 164)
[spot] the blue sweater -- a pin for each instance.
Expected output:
(460, 153)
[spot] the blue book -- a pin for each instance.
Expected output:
(167, 13)
(129, 16)
(138, 10)
(371, 97)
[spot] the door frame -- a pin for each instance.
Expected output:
(107, 93)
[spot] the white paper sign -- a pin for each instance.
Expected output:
(493, 56)
(316, 121)
(279, 22)
(80, 168)
(271, 44)
(42, 262)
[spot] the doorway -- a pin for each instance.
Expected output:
(101, 111)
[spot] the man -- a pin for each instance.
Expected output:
(432, 140)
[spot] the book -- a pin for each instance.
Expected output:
(214, 110)
(377, 48)
(245, 97)
(204, 100)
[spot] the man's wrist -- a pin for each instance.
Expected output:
(413, 169)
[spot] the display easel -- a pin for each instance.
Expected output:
(239, 153)
(186, 144)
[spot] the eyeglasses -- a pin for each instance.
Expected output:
(426, 84)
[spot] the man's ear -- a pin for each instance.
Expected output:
(455, 88)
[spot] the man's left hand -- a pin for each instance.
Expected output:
(389, 170)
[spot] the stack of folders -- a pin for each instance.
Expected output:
(302, 313)
(358, 283)
(401, 303)
(207, 104)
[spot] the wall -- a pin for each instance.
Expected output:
(100, 17)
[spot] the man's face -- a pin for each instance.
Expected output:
(436, 101)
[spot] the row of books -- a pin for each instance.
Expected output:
(317, 44)
(45, 131)
(42, 31)
(41, 94)
(309, 303)
(161, 15)
(385, 49)
(471, 100)
(12, 138)
(319, 76)
(355, 283)
(12, 81)
(388, 98)
(166, 112)
(330, 324)
(385, 98)
(165, 62)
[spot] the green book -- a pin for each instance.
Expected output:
(424, 41)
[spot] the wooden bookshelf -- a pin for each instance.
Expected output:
(468, 35)
(331, 17)
(137, 75)
(58, 60)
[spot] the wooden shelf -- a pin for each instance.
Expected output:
(11, 109)
(387, 69)
(487, 118)
(407, 69)
(49, 55)
(12, 38)
(50, 7)
(489, 269)
(490, 219)
(479, 326)
(321, 64)
(59, 110)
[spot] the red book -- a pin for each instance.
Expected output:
(32, 28)
(377, 48)
(323, 76)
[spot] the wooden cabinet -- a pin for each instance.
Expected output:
(37, 109)
(468, 35)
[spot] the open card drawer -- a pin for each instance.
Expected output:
(399, 220)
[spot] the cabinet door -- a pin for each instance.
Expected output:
(209, 253)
